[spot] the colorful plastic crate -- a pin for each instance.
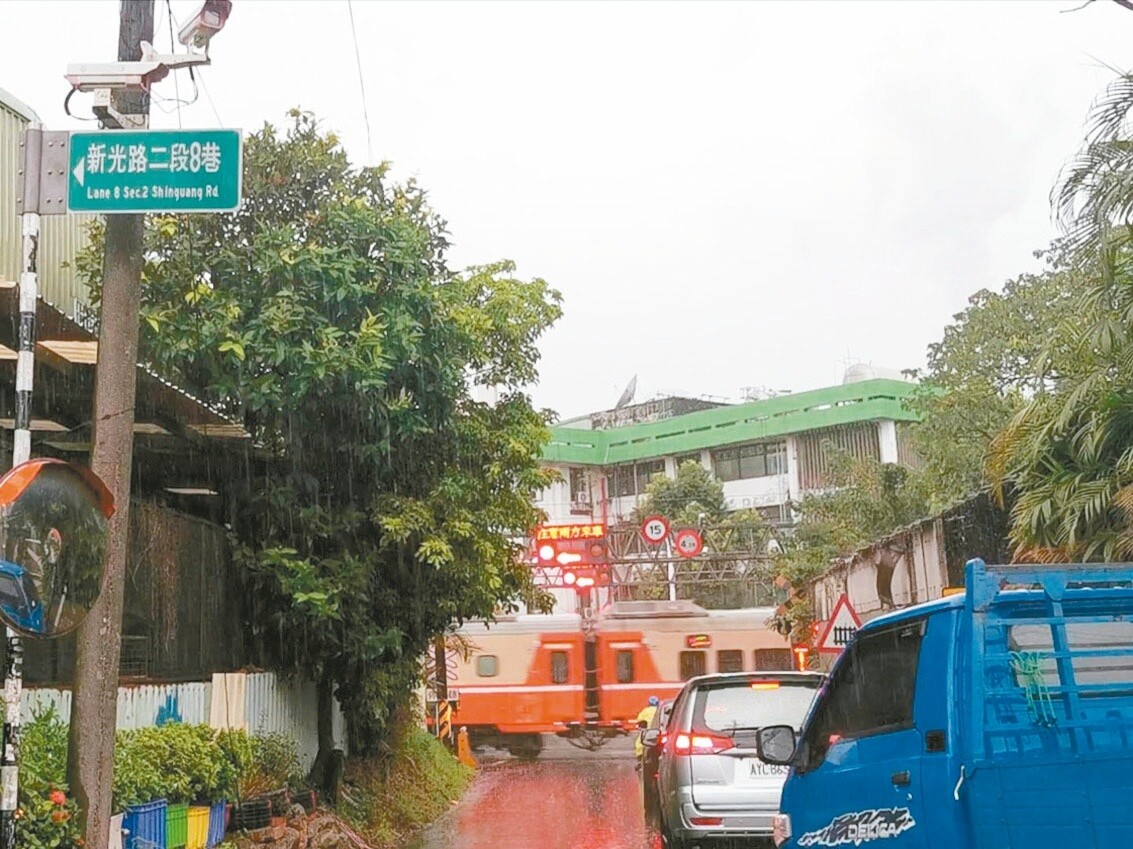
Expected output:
(145, 825)
(197, 827)
(218, 814)
(252, 815)
(177, 825)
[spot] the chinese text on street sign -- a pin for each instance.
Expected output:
(155, 171)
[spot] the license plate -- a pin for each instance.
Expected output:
(753, 769)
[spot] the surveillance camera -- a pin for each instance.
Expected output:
(93, 76)
(205, 24)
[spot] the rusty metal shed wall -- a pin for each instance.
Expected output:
(61, 236)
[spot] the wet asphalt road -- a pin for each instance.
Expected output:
(567, 799)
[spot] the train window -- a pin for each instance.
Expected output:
(560, 669)
(730, 660)
(625, 667)
(773, 660)
(487, 666)
(692, 663)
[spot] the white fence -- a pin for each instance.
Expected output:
(258, 702)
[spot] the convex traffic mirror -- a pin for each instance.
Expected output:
(52, 539)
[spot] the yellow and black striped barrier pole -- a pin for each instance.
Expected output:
(444, 721)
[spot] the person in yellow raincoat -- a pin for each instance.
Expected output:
(643, 720)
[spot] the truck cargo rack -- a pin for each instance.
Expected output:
(1052, 671)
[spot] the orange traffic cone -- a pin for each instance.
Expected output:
(464, 748)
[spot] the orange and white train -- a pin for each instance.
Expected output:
(529, 675)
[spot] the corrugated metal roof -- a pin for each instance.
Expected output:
(13, 104)
(61, 236)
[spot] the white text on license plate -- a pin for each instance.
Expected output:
(753, 769)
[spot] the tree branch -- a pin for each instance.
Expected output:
(1125, 4)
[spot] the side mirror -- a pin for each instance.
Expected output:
(641, 723)
(775, 744)
(651, 737)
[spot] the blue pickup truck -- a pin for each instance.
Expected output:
(1000, 718)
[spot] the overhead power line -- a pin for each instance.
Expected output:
(361, 84)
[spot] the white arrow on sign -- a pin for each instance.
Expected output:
(80, 170)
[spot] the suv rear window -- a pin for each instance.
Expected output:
(753, 704)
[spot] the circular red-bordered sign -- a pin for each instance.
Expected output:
(655, 529)
(688, 542)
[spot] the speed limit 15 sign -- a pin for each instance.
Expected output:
(655, 529)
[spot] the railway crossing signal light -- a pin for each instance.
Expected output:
(580, 554)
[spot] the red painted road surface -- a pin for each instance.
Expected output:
(568, 799)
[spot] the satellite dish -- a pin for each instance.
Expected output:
(627, 395)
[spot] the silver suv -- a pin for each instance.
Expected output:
(713, 788)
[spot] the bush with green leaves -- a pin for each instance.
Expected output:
(277, 757)
(259, 764)
(47, 816)
(176, 762)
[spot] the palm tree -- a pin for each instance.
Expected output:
(1093, 198)
(1067, 455)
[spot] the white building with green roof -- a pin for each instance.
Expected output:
(767, 453)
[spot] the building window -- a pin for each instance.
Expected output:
(852, 705)
(773, 660)
(776, 514)
(625, 667)
(645, 473)
(630, 479)
(560, 668)
(681, 459)
(726, 464)
(487, 666)
(757, 460)
(692, 664)
(621, 481)
(730, 660)
(579, 487)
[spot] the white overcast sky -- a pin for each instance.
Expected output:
(727, 194)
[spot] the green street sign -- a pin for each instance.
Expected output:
(118, 171)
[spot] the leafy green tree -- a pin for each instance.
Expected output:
(694, 497)
(382, 502)
(1066, 455)
(866, 500)
(737, 538)
(1093, 198)
(995, 355)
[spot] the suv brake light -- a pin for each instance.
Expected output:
(701, 744)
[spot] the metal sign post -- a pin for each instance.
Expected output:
(21, 452)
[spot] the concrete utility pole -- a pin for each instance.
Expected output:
(94, 710)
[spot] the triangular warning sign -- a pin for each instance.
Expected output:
(840, 627)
